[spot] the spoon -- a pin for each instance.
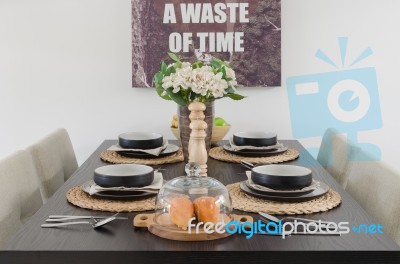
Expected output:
(96, 223)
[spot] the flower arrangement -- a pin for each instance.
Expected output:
(201, 81)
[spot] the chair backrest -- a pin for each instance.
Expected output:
(377, 188)
(20, 194)
(334, 154)
(55, 161)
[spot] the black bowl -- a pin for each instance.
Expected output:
(140, 140)
(256, 139)
(282, 177)
(128, 175)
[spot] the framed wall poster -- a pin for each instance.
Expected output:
(246, 33)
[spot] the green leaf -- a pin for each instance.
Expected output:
(236, 96)
(174, 57)
(163, 67)
(197, 64)
(177, 97)
(178, 65)
(192, 96)
(218, 60)
(230, 90)
(223, 72)
(215, 64)
(170, 70)
(160, 91)
(158, 78)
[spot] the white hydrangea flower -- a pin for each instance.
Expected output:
(231, 74)
(178, 80)
(204, 80)
(218, 86)
(200, 80)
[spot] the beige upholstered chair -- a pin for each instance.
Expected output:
(334, 154)
(55, 161)
(377, 188)
(20, 194)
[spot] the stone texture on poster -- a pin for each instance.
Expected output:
(247, 34)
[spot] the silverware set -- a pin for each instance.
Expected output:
(66, 220)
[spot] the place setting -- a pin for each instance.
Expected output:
(142, 148)
(119, 188)
(254, 146)
(282, 189)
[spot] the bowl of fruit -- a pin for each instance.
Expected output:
(220, 129)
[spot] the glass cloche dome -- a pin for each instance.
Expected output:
(192, 199)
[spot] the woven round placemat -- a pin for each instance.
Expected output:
(219, 153)
(248, 203)
(114, 157)
(81, 199)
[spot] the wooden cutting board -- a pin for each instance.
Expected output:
(165, 229)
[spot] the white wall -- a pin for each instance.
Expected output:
(67, 63)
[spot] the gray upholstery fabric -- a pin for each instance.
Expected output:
(20, 194)
(377, 188)
(334, 154)
(55, 161)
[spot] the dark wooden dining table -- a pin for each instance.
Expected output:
(120, 242)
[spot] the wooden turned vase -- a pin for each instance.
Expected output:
(185, 130)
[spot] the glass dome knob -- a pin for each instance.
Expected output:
(192, 169)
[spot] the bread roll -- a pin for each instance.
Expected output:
(181, 211)
(206, 209)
